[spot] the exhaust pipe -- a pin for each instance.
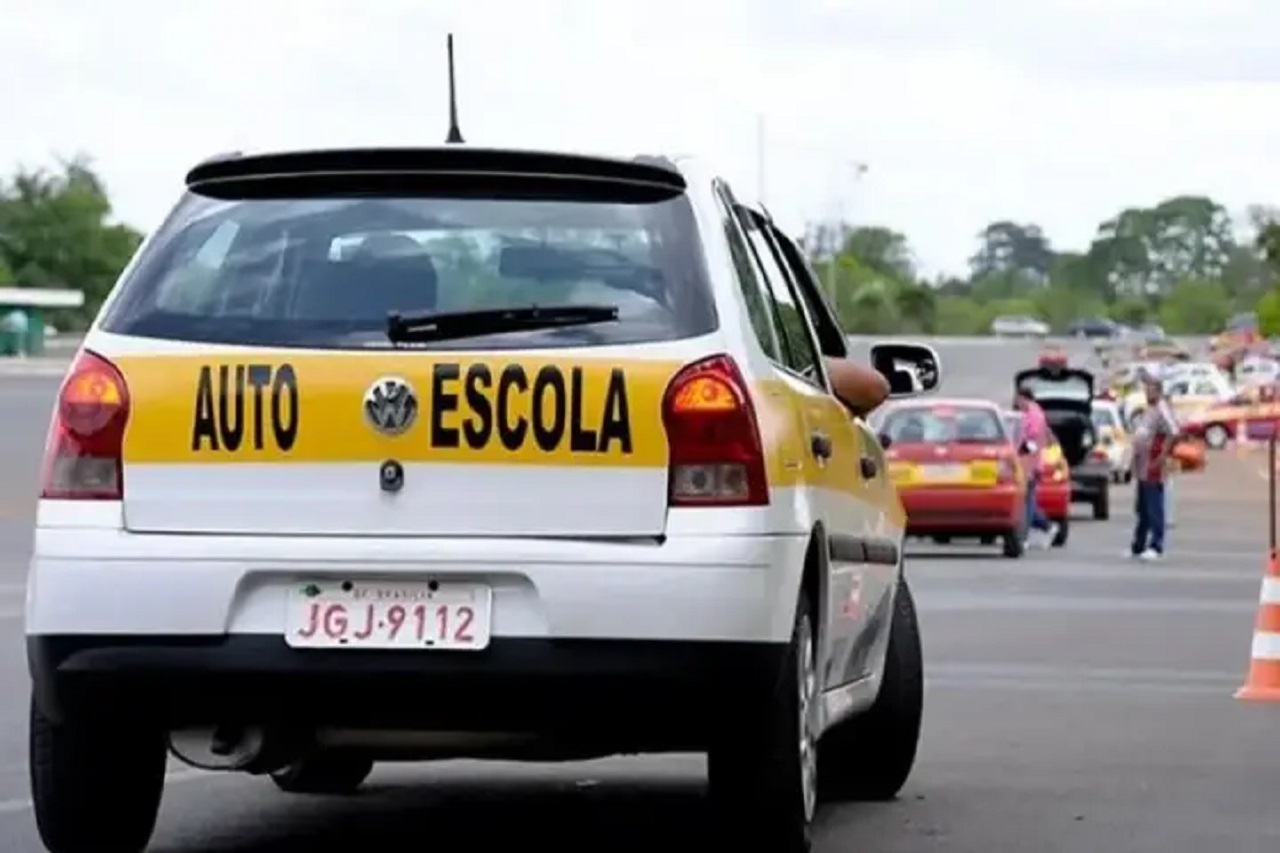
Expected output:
(250, 749)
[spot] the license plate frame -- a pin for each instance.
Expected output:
(428, 615)
(944, 472)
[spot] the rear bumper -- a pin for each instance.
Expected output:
(1089, 482)
(634, 645)
(957, 511)
(629, 694)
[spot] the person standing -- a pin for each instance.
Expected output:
(1153, 439)
(1035, 429)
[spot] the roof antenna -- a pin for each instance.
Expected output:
(455, 135)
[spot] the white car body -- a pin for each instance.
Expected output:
(1254, 372)
(1109, 421)
(186, 598)
(1019, 327)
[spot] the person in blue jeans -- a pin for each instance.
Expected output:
(1153, 439)
(1034, 431)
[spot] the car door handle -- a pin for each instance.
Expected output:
(868, 467)
(820, 445)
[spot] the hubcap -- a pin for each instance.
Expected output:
(1216, 436)
(807, 686)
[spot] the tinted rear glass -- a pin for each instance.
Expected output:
(326, 272)
(1066, 387)
(944, 426)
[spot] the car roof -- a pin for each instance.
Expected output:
(946, 403)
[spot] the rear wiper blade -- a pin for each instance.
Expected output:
(444, 326)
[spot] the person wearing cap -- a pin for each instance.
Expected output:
(1154, 435)
(1035, 430)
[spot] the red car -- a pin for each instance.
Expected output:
(1053, 495)
(1254, 415)
(957, 470)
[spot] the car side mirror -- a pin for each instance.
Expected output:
(910, 369)
(885, 441)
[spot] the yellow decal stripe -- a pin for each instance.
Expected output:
(285, 407)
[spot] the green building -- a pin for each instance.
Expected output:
(22, 323)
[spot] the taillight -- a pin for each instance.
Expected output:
(82, 457)
(714, 440)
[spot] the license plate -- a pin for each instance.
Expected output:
(350, 615)
(945, 473)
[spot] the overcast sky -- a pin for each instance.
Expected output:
(1054, 111)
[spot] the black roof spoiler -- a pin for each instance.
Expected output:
(454, 161)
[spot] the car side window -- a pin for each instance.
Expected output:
(831, 339)
(800, 353)
(753, 292)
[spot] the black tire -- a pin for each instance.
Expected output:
(95, 786)
(869, 757)
(1216, 436)
(755, 767)
(1013, 545)
(1128, 477)
(1064, 530)
(1102, 506)
(324, 773)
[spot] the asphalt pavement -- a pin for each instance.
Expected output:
(1076, 700)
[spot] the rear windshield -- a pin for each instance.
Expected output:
(327, 272)
(944, 426)
(1105, 416)
(1065, 387)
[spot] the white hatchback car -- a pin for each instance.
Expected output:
(410, 454)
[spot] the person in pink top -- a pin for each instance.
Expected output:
(1035, 429)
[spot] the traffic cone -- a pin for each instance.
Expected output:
(1263, 683)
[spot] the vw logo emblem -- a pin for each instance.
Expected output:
(390, 405)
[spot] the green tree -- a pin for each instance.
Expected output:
(57, 230)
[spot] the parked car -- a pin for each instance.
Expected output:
(1113, 437)
(1019, 327)
(1066, 395)
(957, 470)
(1094, 327)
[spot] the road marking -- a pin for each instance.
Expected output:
(173, 777)
(1057, 679)
(1062, 604)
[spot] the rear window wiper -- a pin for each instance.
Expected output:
(444, 326)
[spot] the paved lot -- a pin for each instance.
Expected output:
(1076, 701)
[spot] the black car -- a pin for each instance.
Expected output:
(1066, 395)
(1094, 327)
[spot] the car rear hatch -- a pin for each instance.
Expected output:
(948, 446)
(1066, 395)
(449, 342)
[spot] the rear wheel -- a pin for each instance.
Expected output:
(869, 757)
(95, 786)
(324, 773)
(1102, 506)
(1013, 545)
(762, 773)
(1064, 530)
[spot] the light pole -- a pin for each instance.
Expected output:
(859, 169)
